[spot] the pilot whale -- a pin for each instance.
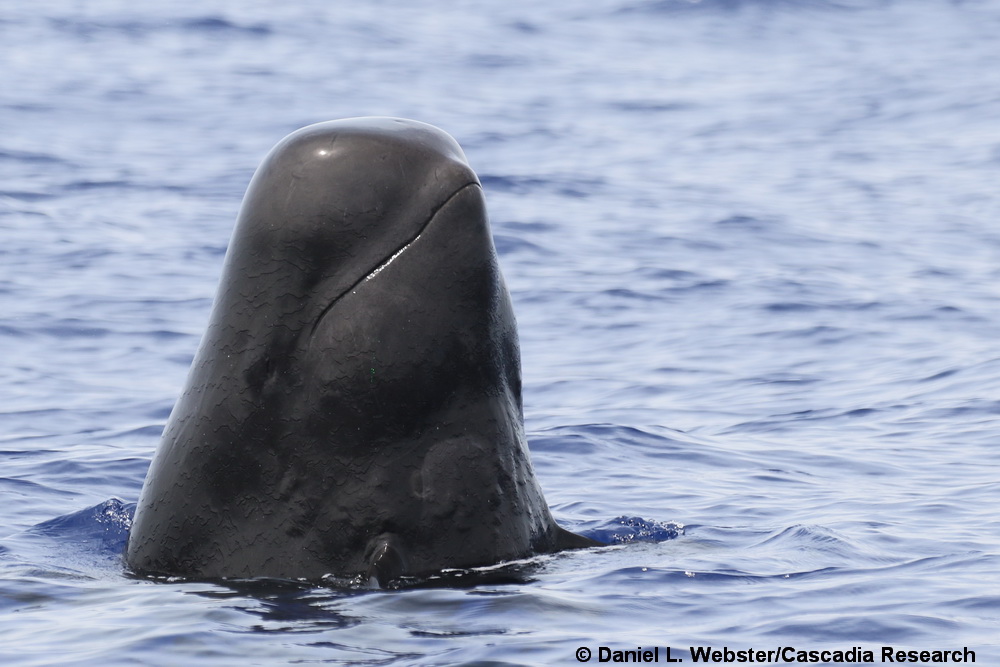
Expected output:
(354, 408)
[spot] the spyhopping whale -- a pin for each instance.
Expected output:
(354, 407)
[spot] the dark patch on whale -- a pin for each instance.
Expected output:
(355, 405)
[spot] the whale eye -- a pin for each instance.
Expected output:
(261, 373)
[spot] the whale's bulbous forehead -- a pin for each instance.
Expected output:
(333, 200)
(355, 167)
(365, 134)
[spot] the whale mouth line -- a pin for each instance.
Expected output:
(386, 261)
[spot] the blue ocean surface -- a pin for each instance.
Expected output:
(754, 251)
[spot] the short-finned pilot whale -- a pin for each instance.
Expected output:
(354, 408)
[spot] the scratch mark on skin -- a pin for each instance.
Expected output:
(388, 260)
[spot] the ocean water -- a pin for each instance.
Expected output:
(754, 251)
